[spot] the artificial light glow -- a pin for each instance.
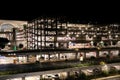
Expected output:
(80, 28)
(116, 36)
(9, 43)
(101, 42)
(98, 29)
(109, 32)
(82, 31)
(65, 27)
(109, 36)
(58, 26)
(94, 36)
(92, 28)
(70, 42)
(68, 35)
(77, 35)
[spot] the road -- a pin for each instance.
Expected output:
(50, 71)
(13, 67)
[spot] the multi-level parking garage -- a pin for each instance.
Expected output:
(53, 39)
(63, 40)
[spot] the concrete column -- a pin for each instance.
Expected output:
(84, 55)
(97, 54)
(41, 77)
(80, 72)
(58, 56)
(23, 78)
(110, 54)
(108, 51)
(118, 52)
(27, 57)
(76, 54)
(48, 56)
(35, 57)
(68, 74)
(14, 39)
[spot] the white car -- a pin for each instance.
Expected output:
(51, 76)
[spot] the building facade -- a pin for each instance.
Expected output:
(87, 40)
(48, 39)
(53, 34)
(14, 32)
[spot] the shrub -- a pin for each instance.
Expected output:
(72, 77)
(102, 63)
(83, 76)
(92, 57)
(108, 56)
(119, 54)
(113, 70)
(37, 62)
(104, 73)
(96, 71)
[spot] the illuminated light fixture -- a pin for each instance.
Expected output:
(65, 27)
(109, 36)
(92, 28)
(87, 36)
(116, 36)
(38, 78)
(109, 32)
(115, 25)
(9, 43)
(68, 35)
(70, 42)
(42, 20)
(94, 36)
(98, 29)
(82, 31)
(98, 48)
(77, 35)
(49, 20)
(52, 20)
(92, 43)
(58, 26)
(101, 42)
(14, 54)
(76, 49)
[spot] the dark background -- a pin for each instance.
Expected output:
(75, 11)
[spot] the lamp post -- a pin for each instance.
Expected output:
(14, 38)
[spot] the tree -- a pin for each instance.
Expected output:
(3, 42)
(95, 43)
(20, 45)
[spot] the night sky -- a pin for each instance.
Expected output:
(75, 18)
(79, 12)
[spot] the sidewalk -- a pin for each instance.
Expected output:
(109, 77)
